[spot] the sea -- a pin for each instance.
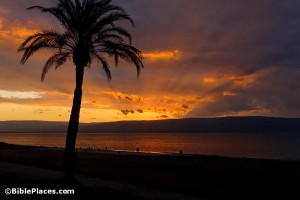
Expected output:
(251, 145)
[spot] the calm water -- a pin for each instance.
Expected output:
(282, 146)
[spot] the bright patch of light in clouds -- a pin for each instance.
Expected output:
(7, 94)
(162, 55)
(15, 30)
(209, 80)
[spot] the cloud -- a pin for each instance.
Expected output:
(162, 55)
(15, 31)
(202, 58)
(140, 111)
(129, 98)
(19, 95)
(209, 80)
(126, 112)
(271, 98)
(163, 116)
(185, 106)
(229, 93)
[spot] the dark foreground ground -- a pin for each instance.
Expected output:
(81, 192)
(206, 177)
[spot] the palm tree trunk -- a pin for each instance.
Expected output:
(73, 126)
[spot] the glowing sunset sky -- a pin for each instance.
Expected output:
(203, 58)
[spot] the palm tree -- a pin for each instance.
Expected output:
(89, 32)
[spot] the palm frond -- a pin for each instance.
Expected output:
(56, 60)
(125, 52)
(112, 37)
(105, 66)
(61, 15)
(116, 30)
(109, 20)
(45, 40)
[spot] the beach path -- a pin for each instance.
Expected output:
(36, 173)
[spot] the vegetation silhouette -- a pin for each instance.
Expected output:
(90, 32)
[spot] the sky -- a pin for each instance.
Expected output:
(203, 58)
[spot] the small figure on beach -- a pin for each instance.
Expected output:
(105, 148)
(138, 150)
(180, 152)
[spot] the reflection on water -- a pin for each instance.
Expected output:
(283, 146)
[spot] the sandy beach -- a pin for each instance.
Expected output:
(185, 176)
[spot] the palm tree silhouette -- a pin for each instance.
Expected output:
(90, 32)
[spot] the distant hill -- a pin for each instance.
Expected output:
(32, 127)
(195, 125)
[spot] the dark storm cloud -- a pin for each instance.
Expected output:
(261, 37)
(250, 34)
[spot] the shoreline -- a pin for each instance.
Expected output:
(143, 153)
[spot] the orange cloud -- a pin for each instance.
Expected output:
(229, 93)
(124, 97)
(243, 81)
(164, 55)
(22, 32)
(15, 31)
(179, 105)
(209, 80)
(153, 106)
(247, 81)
